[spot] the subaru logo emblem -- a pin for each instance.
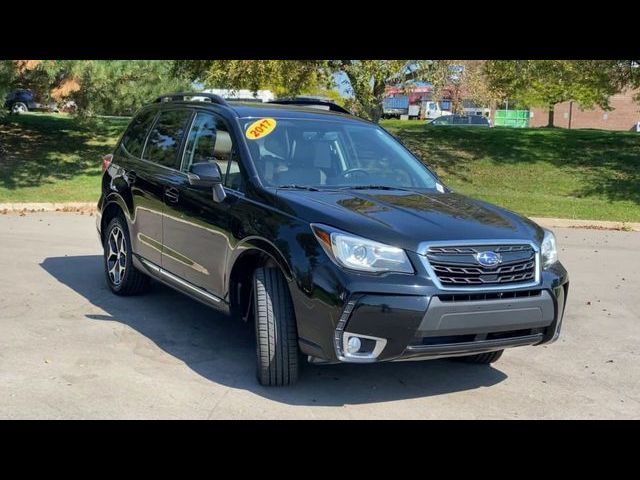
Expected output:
(488, 259)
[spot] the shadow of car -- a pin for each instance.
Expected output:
(223, 351)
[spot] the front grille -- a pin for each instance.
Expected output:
(458, 266)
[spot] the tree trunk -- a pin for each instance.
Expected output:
(375, 113)
(551, 114)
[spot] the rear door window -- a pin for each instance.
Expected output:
(136, 134)
(166, 135)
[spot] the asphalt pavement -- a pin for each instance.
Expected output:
(71, 349)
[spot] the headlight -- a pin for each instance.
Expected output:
(357, 253)
(548, 249)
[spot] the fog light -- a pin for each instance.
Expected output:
(353, 345)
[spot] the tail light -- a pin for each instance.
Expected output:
(106, 161)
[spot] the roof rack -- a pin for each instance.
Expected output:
(183, 97)
(311, 102)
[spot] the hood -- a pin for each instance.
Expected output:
(406, 219)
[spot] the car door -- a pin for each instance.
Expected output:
(197, 229)
(147, 195)
(160, 162)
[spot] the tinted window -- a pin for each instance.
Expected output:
(165, 137)
(134, 137)
(211, 141)
(479, 120)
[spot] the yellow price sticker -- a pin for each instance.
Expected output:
(261, 128)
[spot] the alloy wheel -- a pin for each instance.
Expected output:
(116, 256)
(19, 108)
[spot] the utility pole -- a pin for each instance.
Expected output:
(570, 112)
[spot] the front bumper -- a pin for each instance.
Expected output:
(441, 326)
(400, 319)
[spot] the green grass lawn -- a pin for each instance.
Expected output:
(585, 174)
(54, 157)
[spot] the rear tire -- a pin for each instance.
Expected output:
(276, 333)
(18, 108)
(482, 358)
(122, 277)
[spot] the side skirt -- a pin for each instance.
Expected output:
(180, 284)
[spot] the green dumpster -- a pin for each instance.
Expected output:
(511, 118)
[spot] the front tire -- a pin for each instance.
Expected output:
(482, 358)
(122, 277)
(276, 333)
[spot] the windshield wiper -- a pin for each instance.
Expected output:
(293, 186)
(375, 187)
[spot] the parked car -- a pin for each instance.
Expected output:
(462, 121)
(23, 100)
(326, 232)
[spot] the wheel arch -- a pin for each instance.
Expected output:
(113, 206)
(252, 254)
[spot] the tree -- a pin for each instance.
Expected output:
(545, 83)
(116, 87)
(466, 80)
(108, 87)
(366, 80)
(7, 74)
(283, 77)
(626, 74)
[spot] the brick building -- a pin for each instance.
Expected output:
(624, 116)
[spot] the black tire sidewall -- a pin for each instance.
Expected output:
(284, 338)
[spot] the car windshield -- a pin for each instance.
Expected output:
(303, 153)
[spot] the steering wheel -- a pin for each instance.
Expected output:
(349, 172)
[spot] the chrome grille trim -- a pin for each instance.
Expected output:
(467, 250)
(521, 276)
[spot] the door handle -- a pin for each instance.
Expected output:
(130, 177)
(172, 195)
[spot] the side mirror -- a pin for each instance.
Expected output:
(207, 175)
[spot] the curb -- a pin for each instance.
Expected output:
(47, 207)
(87, 207)
(588, 224)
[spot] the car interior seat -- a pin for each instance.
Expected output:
(273, 157)
(310, 163)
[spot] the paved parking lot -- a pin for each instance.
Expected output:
(71, 349)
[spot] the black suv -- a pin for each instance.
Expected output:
(324, 231)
